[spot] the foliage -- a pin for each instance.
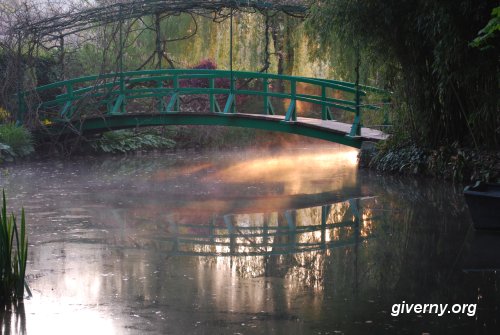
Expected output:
(201, 103)
(123, 141)
(6, 153)
(447, 162)
(4, 115)
(449, 90)
(489, 32)
(18, 138)
(213, 137)
(37, 71)
(13, 255)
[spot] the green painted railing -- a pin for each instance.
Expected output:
(167, 86)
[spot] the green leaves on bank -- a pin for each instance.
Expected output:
(15, 141)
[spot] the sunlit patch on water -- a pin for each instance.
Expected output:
(304, 172)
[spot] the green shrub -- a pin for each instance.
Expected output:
(18, 138)
(449, 162)
(13, 255)
(123, 141)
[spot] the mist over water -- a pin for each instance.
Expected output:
(289, 241)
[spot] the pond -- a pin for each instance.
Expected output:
(294, 240)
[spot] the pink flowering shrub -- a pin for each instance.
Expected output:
(201, 103)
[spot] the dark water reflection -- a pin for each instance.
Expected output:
(288, 242)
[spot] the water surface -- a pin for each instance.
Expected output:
(291, 241)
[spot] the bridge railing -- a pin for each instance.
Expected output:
(222, 88)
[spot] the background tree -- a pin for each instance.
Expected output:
(447, 90)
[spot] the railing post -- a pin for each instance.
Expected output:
(176, 93)
(386, 113)
(291, 114)
(356, 126)
(161, 103)
(268, 106)
(325, 109)
(265, 88)
(323, 100)
(211, 86)
(67, 110)
(233, 93)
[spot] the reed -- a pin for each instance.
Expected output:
(13, 255)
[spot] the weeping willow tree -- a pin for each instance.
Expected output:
(80, 37)
(447, 89)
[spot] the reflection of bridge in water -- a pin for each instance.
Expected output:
(283, 233)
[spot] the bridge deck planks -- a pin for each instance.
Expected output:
(367, 134)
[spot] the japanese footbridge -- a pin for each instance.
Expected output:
(123, 99)
(113, 101)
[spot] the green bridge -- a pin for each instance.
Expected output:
(113, 101)
(122, 99)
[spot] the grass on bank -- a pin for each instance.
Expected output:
(13, 255)
(15, 141)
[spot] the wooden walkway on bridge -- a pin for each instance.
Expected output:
(367, 134)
